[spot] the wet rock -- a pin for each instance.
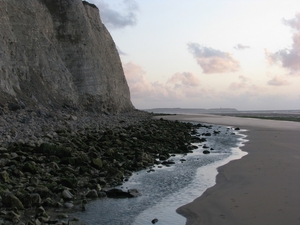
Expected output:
(42, 190)
(30, 167)
(154, 221)
(35, 199)
(206, 152)
(68, 205)
(134, 192)
(75, 221)
(10, 200)
(118, 193)
(66, 194)
(97, 162)
(102, 194)
(168, 162)
(69, 182)
(92, 194)
(4, 177)
(12, 216)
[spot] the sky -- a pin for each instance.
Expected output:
(208, 54)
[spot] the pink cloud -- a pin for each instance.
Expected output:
(140, 87)
(241, 84)
(178, 86)
(278, 81)
(186, 79)
(212, 60)
(245, 83)
(289, 58)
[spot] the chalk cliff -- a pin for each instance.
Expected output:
(58, 52)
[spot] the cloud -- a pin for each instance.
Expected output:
(179, 86)
(245, 83)
(140, 87)
(184, 79)
(118, 19)
(241, 47)
(289, 58)
(278, 81)
(212, 60)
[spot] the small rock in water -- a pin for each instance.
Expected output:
(154, 221)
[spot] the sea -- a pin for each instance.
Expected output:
(165, 188)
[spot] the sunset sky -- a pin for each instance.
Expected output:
(208, 54)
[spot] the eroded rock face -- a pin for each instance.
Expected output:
(55, 52)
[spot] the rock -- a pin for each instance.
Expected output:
(206, 152)
(13, 217)
(34, 180)
(92, 194)
(97, 162)
(168, 162)
(10, 200)
(30, 167)
(75, 221)
(66, 194)
(42, 190)
(118, 193)
(154, 221)
(62, 216)
(5, 177)
(68, 205)
(35, 199)
(114, 173)
(134, 192)
(102, 194)
(69, 182)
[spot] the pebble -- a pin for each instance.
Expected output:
(55, 156)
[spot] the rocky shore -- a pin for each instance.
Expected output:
(52, 163)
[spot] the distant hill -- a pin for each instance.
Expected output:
(191, 110)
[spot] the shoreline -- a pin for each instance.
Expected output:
(53, 163)
(261, 187)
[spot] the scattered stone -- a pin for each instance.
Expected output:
(35, 199)
(118, 193)
(58, 157)
(206, 152)
(68, 205)
(66, 194)
(4, 177)
(168, 162)
(134, 192)
(10, 200)
(154, 221)
(92, 194)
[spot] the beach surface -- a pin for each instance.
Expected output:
(261, 188)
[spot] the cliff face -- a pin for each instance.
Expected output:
(55, 52)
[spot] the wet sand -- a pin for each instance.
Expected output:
(261, 188)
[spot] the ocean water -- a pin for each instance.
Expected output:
(168, 188)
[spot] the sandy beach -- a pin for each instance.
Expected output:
(261, 188)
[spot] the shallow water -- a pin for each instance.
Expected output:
(168, 188)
